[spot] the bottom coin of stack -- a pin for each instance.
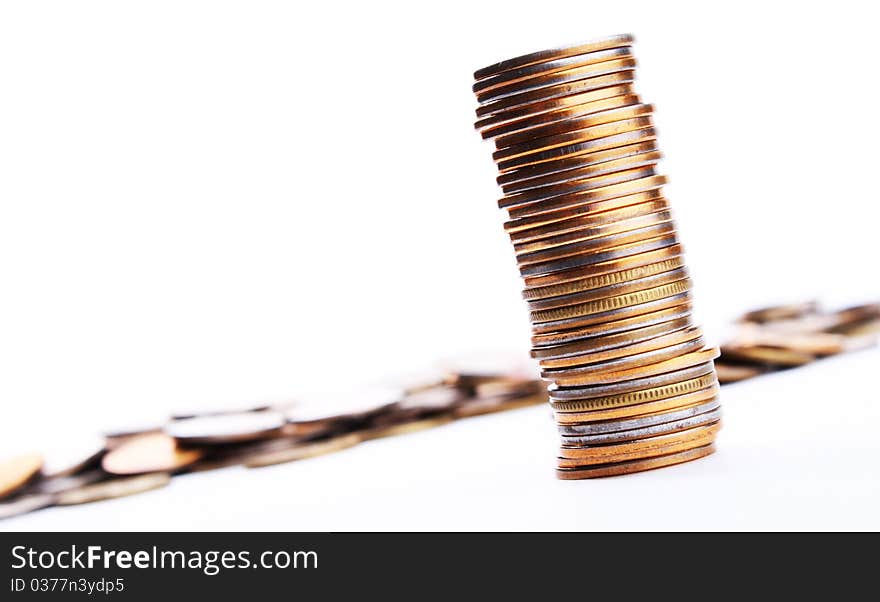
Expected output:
(632, 383)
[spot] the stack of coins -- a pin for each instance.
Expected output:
(633, 385)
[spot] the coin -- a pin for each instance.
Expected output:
(481, 406)
(768, 355)
(635, 434)
(587, 201)
(226, 428)
(303, 451)
(558, 393)
(731, 373)
(536, 76)
(641, 421)
(622, 468)
(622, 74)
(115, 488)
(24, 504)
(543, 56)
(569, 107)
(574, 457)
(625, 344)
(57, 484)
(152, 452)
(622, 320)
(649, 407)
(686, 360)
(627, 286)
(16, 472)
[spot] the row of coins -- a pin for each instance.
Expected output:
(633, 385)
(133, 460)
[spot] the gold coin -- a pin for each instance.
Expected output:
(559, 375)
(561, 258)
(569, 220)
(543, 56)
(731, 373)
(301, 451)
(612, 389)
(626, 344)
(622, 468)
(603, 427)
(635, 397)
(114, 488)
(635, 136)
(535, 135)
(640, 409)
(612, 260)
(682, 361)
(17, 472)
(503, 106)
(569, 313)
(577, 105)
(152, 452)
(532, 197)
(546, 81)
(637, 403)
(557, 295)
(627, 286)
(573, 457)
(620, 320)
(509, 78)
(587, 201)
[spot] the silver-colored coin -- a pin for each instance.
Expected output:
(641, 433)
(226, 428)
(355, 404)
(639, 422)
(632, 361)
(571, 393)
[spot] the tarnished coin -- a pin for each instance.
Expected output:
(115, 488)
(226, 428)
(153, 452)
(16, 472)
(617, 41)
(622, 468)
(24, 504)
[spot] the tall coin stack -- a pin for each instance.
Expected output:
(633, 386)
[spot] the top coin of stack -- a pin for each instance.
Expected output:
(633, 386)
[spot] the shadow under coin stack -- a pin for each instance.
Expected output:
(633, 386)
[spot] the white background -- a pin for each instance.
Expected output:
(205, 203)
